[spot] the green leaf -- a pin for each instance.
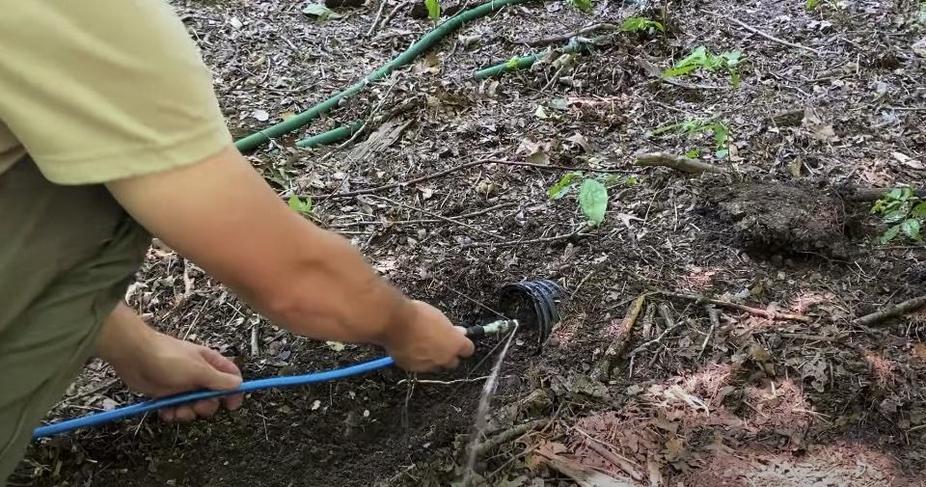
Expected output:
(433, 7)
(693, 153)
(919, 211)
(303, 207)
(893, 194)
(721, 153)
(896, 215)
(631, 181)
(911, 228)
(639, 24)
(890, 234)
(512, 63)
(559, 189)
(593, 200)
(732, 58)
(811, 5)
(320, 11)
(583, 5)
(721, 134)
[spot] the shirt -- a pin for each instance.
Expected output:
(99, 90)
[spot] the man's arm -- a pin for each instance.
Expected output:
(222, 215)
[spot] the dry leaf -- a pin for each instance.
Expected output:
(908, 161)
(260, 115)
(919, 351)
(580, 141)
(655, 473)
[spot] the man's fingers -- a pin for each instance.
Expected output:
(206, 408)
(218, 373)
(167, 415)
(233, 402)
(184, 414)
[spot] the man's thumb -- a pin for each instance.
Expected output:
(210, 378)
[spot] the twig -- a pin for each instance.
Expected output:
(379, 14)
(508, 435)
(715, 323)
(658, 339)
(391, 14)
(763, 34)
(678, 163)
(442, 382)
(440, 217)
(772, 315)
(424, 220)
(565, 37)
(616, 348)
(445, 172)
(903, 308)
(619, 461)
(255, 343)
(511, 243)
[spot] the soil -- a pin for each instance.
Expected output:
(747, 400)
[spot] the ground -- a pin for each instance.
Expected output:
(751, 398)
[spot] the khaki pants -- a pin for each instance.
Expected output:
(67, 254)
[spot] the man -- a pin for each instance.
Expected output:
(109, 130)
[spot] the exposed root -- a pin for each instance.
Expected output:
(679, 163)
(772, 315)
(616, 349)
(903, 308)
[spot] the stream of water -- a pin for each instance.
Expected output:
(482, 412)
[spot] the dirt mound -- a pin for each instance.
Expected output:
(775, 218)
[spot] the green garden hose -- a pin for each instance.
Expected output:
(334, 135)
(524, 62)
(420, 46)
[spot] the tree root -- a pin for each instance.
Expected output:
(772, 315)
(901, 309)
(678, 163)
(603, 371)
(509, 434)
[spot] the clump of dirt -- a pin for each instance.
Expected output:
(776, 218)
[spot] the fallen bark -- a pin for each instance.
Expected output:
(679, 163)
(901, 309)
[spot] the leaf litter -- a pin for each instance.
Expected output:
(755, 401)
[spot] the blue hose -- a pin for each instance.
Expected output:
(170, 401)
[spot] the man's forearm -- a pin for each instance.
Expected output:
(329, 291)
(221, 214)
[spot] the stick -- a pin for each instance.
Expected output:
(509, 435)
(616, 349)
(391, 14)
(654, 340)
(511, 243)
(379, 14)
(466, 165)
(415, 222)
(765, 35)
(440, 217)
(772, 315)
(715, 323)
(678, 163)
(619, 461)
(903, 308)
(565, 37)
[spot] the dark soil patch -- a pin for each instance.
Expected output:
(778, 218)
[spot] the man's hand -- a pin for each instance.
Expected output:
(427, 340)
(157, 365)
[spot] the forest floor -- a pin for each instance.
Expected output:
(749, 397)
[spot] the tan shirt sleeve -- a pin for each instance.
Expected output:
(99, 90)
